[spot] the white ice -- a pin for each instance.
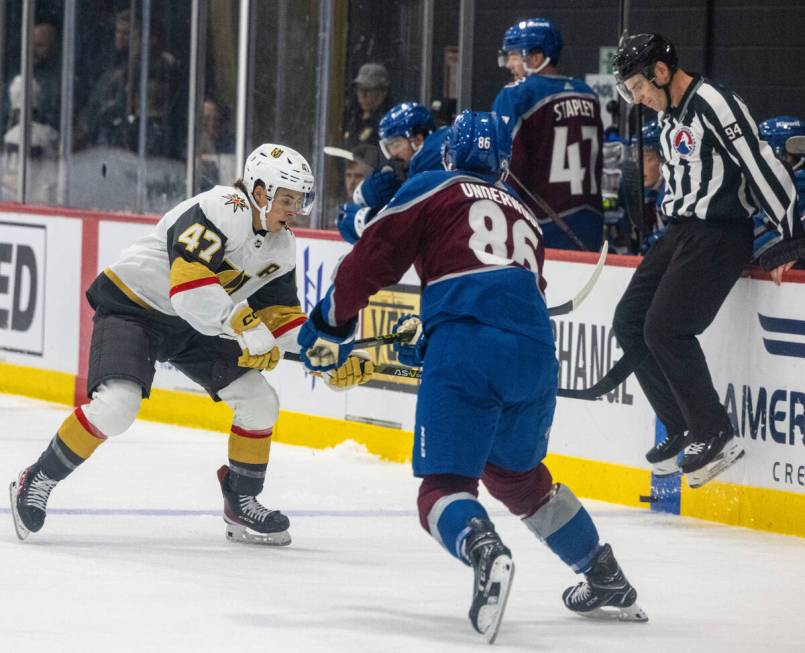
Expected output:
(142, 564)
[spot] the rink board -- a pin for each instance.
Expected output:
(756, 351)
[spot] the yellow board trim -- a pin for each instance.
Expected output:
(49, 385)
(757, 508)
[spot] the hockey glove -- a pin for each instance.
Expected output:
(412, 351)
(356, 371)
(252, 334)
(781, 257)
(377, 189)
(323, 347)
(352, 220)
(267, 361)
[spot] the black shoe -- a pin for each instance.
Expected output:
(29, 500)
(250, 521)
(702, 449)
(605, 593)
(706, 458)
(662, 456)
(493, 570)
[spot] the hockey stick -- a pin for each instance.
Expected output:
(574, 303)
(392, 370)
(553, 215)
(403, 336)
(617, 374)
(339, 152)
(387, 339)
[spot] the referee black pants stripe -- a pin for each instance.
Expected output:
(673, 297)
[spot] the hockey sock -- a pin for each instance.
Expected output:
(566, 528)
(248, 459)
(447, 503)
(523, 493)
(74, 442)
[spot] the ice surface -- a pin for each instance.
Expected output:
(133, 558)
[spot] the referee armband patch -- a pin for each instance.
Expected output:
(733, 131)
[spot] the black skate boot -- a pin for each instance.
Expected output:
(605, 594)
(706, 457)
(247, 520)
(662, 456)
(494, 569)
(29, 500)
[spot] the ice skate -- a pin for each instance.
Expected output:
(663, 455)
(249, 521)
(494, 569)
(28, 496)
(605, 594)
(706, 459)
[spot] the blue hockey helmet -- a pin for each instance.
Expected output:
(478, 141)
(776, 131)
(651, 136)
(404, 120)
(529, 35)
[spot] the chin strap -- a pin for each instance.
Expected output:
(534, 71)
(260, 210)
(665, 87)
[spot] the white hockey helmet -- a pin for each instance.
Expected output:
(278, 166)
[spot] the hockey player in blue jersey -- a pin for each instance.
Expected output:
(557, 134)
(776, 132)
(407, 137)
(488, 392)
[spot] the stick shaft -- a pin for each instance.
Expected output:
(553, 215)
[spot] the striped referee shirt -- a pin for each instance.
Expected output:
(715, 166)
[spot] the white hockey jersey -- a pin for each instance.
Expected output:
(203, 257)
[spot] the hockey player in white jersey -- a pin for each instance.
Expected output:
(211, 290)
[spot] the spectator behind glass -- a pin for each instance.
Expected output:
(111, 115)
(44, 148)
(47, 72)
(368, 105)
(216, 146)
(366, 159)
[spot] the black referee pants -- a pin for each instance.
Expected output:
(673, 297)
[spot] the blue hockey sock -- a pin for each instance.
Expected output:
(566, 528)
(449, 518)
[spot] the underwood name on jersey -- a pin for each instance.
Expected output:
(503, 198)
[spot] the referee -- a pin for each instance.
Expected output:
(717, 175)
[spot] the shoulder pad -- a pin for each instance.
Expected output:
(229, 210)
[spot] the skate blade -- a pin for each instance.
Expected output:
(22, 532)
(617, 613)
(245, 535)
(491, 615)
(731, 454)
(665, 467)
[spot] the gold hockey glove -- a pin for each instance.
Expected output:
(267, 361)
(356, 371)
